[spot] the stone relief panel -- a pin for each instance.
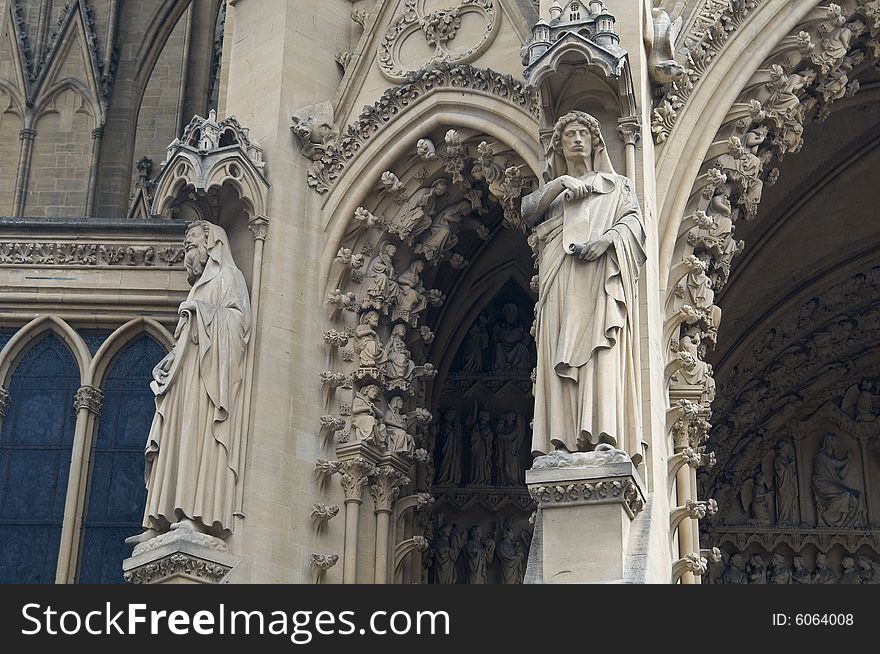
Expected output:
(427, 32)
(798, 435)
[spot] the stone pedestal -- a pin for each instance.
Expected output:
(179, 558)
(586, 503)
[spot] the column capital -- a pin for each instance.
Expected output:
(354, 475)
(630, 130)
(90, 398)
(259, 225)
(386, 486)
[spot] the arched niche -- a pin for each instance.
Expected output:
(434, 242)
(215, 172)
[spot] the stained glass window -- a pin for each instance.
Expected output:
(36, 439)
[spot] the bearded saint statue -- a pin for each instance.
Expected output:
(193, 451)
(591, 247)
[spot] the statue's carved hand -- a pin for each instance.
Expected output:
(592, 250)
(574, 188)
(187, 306)
(160, 372)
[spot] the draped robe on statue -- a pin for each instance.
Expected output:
(586, 389)
(192, 453)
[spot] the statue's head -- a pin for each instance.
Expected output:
(738, 561)
(830, 442)
(396, 403)
(577, 138)
(510, 312)
(399, 330)
(390, 249)
(195, 245)
(821, 560)
(370, 318)
(848, 563)
(439, 187)
(372, 392)
(205, 242)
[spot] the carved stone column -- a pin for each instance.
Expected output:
(631, 133)
(4, 401)
(87, 403)
(26, 149)
(97, 138)
(357, 463)
(586, 503)
(385, 489)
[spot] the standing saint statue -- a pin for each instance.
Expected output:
(591, 247)
(193, 452)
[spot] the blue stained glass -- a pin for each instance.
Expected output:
(116, 496)
(36, 439)
(94, 338)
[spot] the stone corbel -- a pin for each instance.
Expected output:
(322, 514)
(694, 510)
(687, 456)
(320, 563)
(693, 563)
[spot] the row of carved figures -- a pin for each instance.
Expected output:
(503, 346)
(774, 484)
(492, 444)
(479, 548)
(775, 568)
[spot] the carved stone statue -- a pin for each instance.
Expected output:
(510, 431)
(511, 338)
(591, 247)
(757, 569)
(512, 556)
(823, 574)
(442, 236)
(780, 571)
(481, 451)
(193, 451)
(398, 439)
(419, 212)
(382, 290)
(446, 549)
(366, 341)
(859, 402)
(837, 505)
(756, 496)
(396, 357)
(785, 476)
(479, 553)
(850, 572)
(412, 299)
(800, 574)
(736, 573)
(449, 473)
(366, 414)
(477, 340)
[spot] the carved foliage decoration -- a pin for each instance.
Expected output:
(336, 152)
(439, 30)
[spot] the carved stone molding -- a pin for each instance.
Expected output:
(602, 491)
(4, 401)
(176, 568)
(90, 398)
(336, 154)
(716, 23)
(438, 29)
(91, 255)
